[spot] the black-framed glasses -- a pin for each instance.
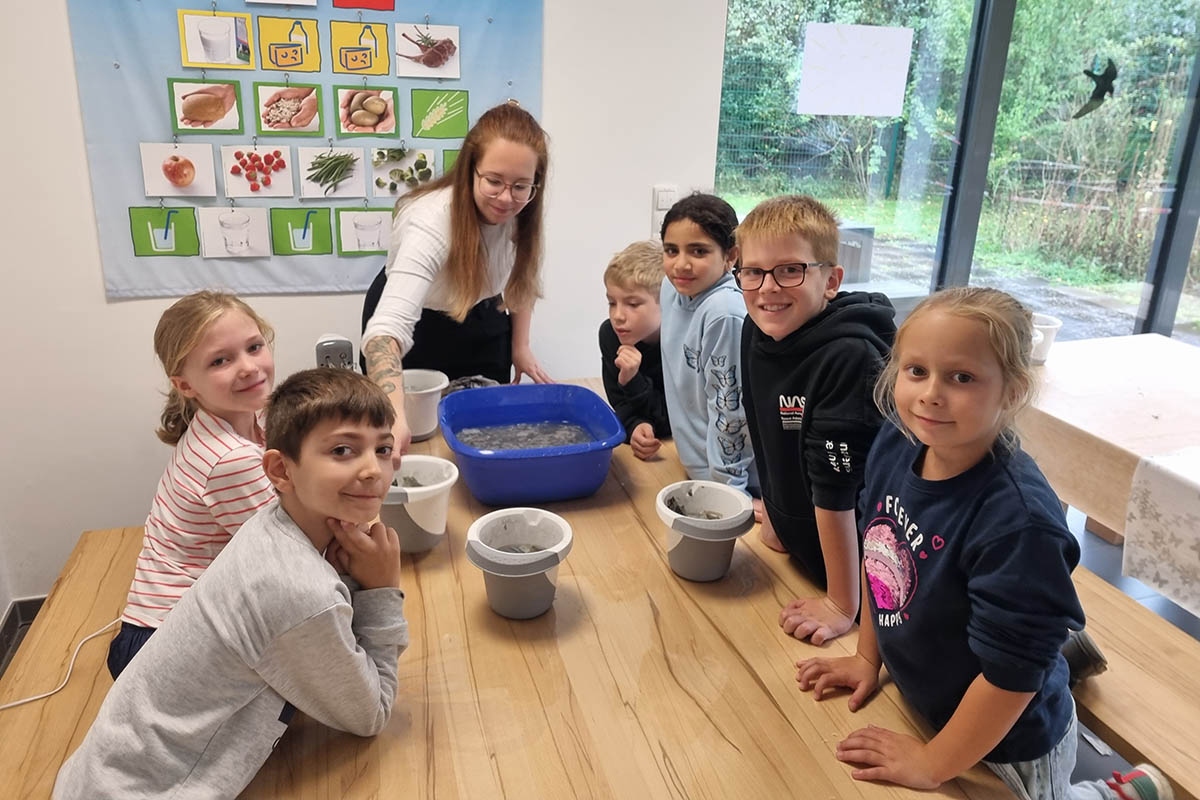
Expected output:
(492, 186)
(785, 275)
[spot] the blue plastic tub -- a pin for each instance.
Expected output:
(541, 475)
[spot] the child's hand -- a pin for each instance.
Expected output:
(371, 557)
(643, 441)
(628, 359)
(337, 556)
(890, 756)
(817, 619)
(766, 531)
(855, 673)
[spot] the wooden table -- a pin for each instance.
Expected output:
(1103, 405)
(636, 683)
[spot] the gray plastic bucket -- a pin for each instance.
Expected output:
(519, 585)
(701, 549)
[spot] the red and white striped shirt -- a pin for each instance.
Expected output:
(213, 483)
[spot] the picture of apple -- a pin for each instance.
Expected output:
(179, 170)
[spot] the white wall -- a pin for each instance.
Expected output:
(631, 97)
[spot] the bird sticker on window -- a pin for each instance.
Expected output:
(1104, 86)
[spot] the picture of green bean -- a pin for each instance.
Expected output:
(327, 170)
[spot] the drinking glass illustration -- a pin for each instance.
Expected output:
(215, 39)
(366, 230)
(162, 240)
(302, 238)
(235, 230)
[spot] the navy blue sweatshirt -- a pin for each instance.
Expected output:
(811, 414)
(967, 575)
(643, 399)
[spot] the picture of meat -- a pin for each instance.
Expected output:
(434, 52)
(427, 51)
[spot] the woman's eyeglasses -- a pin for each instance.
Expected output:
(492, 186)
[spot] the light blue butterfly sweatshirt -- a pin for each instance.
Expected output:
(701, 348)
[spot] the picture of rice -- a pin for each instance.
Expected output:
(889, 567)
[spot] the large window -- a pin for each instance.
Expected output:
(1071, 206)
(1074, 202)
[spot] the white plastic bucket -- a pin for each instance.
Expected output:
(418, 513)
(1049, 327)
(422, 393)
(701, 549)
(519, 585)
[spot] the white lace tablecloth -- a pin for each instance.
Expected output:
(1162, 526)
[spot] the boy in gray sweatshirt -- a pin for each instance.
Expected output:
(271, 626)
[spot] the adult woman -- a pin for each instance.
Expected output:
(457, 243)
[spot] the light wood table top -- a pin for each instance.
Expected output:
(1103, 405)
(636, 683)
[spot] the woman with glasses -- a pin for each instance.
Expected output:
(462, 271)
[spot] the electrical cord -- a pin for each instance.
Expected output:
(70, 667)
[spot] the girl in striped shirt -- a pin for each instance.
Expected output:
(217, 354)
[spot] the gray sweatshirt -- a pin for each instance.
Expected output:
(268, 624)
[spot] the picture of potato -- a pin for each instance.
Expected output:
(375, 105)
(357, 101)
(364, 118)
(201, 107)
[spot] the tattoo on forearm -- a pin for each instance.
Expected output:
(383, 363)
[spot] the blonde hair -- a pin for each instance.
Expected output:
(793, 215)
(638, 266)
(179, 330)
(466, 262)
(1010, 333)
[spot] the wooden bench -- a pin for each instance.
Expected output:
(1147, 705)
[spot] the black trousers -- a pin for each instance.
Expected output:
(479, 345)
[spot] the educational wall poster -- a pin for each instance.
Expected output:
(254, 145)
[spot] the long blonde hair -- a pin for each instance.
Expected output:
(1010, 333)
(179, 330)
(466, 263)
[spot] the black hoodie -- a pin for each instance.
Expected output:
(811, 415)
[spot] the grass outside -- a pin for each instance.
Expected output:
(920, 221)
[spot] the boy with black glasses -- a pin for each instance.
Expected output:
(810, 356)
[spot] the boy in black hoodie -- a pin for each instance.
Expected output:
(810, 356)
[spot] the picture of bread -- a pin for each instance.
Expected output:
(203, 107)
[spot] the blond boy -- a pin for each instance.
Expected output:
(631, 363)
(810, 355)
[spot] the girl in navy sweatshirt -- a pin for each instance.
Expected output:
(967, 592)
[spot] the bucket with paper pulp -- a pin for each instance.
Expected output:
(704, 520)
(519, 550)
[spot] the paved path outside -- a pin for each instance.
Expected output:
(1085, 314)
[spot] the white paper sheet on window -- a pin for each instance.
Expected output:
(853, 70)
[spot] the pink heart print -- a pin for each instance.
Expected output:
(938, 542)
(923, 554)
